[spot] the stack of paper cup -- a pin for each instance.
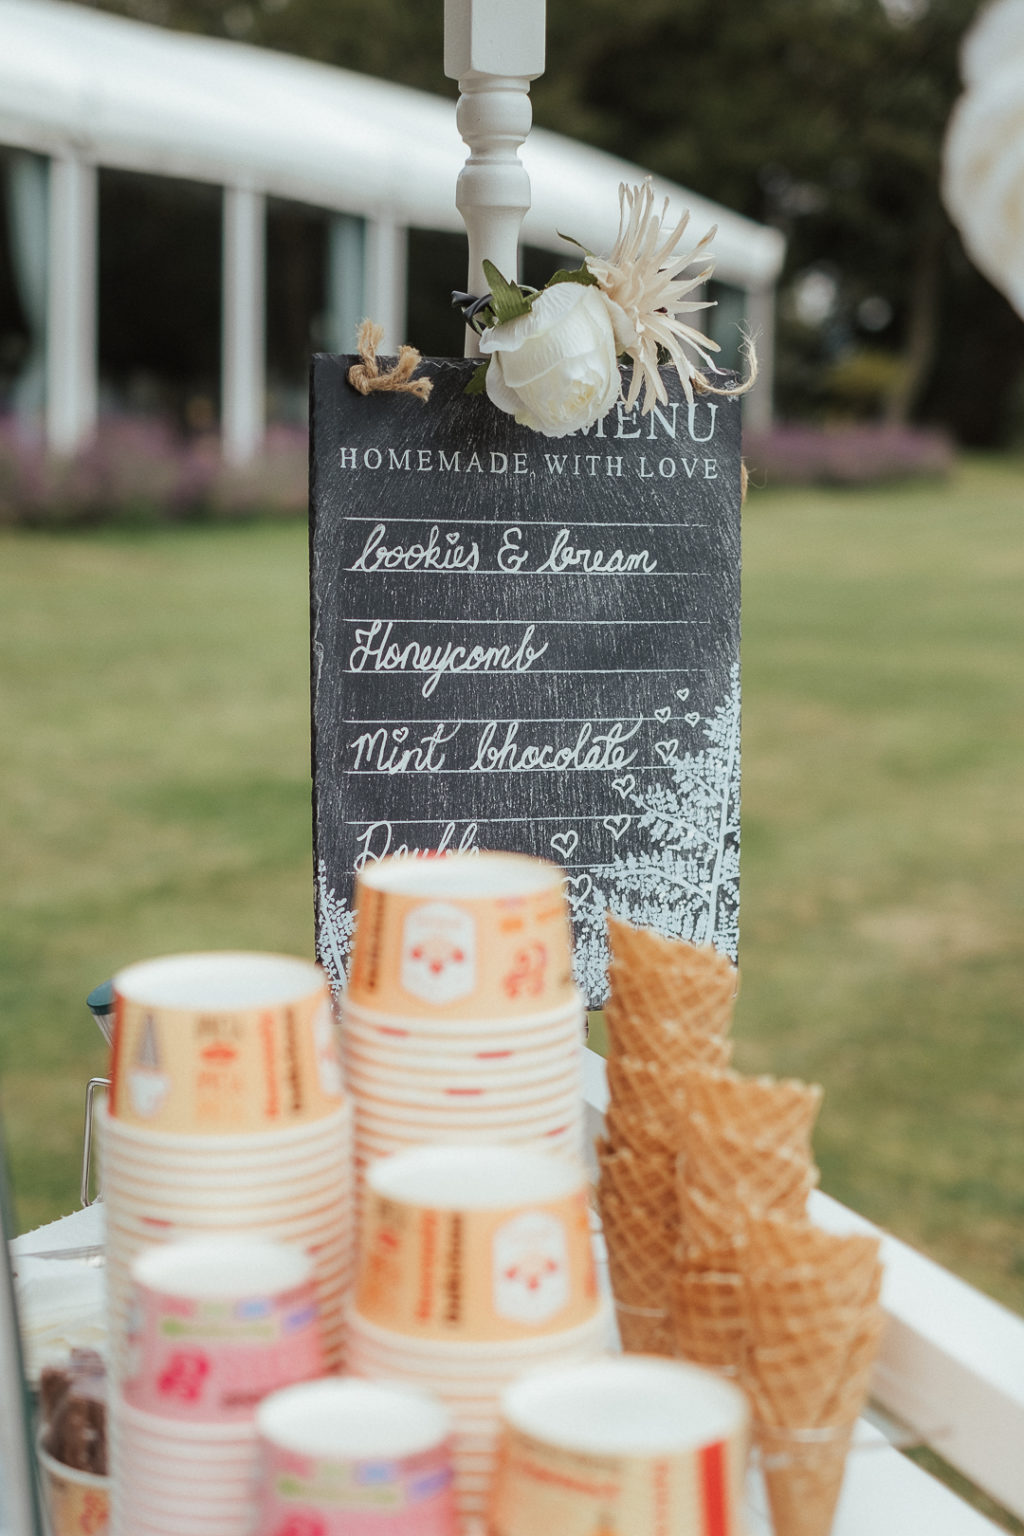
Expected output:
(287, 1186)
(636, 1443)
(227, 1114)
(475, 1265)
(215, 1327)
(462, 1022)
(354, 1458)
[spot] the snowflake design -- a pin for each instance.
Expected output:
(335, 922)
(686, 881)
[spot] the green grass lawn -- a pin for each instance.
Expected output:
(154, 768)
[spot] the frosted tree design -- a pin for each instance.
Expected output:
(685, 882)
(335, 922)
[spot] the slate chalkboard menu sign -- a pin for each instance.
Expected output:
(529, 643)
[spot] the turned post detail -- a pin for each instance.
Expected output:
(493, 49)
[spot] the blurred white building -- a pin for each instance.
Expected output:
(83, 92)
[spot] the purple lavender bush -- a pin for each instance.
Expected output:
(141, 472)
(861, 454)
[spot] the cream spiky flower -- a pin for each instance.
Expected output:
(643, 282)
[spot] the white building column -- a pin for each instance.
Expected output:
(759, 405)
(387, 255)
(346, 281)
(243, 324)
(72, 390)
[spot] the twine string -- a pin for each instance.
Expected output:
(367, 376)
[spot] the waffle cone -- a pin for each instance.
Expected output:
(709, 1316)
(639, 1024)
(665, 1056)
(714, 1230)
(793, 1301)
(642, 1132)
(755, 1180)
(762, 1111)
(791, 1384)
(654, 978)
(803, 1479)
(780, 1244)
(642, 1090)
(641, 1255)
(645, 1330)
(810, 1266)
(644, 1183)
(847, 1402)
(814, 1320)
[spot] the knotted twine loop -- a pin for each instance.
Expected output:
(703, 386)
(367, 376)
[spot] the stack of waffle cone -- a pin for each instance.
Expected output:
(662, 988)
(670, 1008)
(814, 1326)
(744, 1152)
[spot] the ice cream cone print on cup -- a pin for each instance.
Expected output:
(355, 1458)
(223, 1043)
(217, 1324)
(476, 1244)
(623, 1447)
(461, 937)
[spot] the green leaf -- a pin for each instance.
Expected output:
(572, 241)
(507, 302)
(478, 379)
(582, 275)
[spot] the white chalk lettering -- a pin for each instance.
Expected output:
(433, 555)
(564, 556)
(378, 841)
(512, 556)
(375, 651)
(384, 751)
(600, 751)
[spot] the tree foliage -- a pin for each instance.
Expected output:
(823, 117)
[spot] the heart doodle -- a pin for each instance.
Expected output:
(579, 886)
(452, 538)
(692, 717)
(667, 750)
(565, 843)
(400, 733)
(617, 825)
(683, 693)
(663, 714)
(624, 786)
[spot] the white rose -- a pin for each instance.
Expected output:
(983, 158)
(556, 369)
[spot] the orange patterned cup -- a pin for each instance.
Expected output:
(77, 1503)
(223, 1043)
(463, 936)
(476, 1244)
(636, 1445)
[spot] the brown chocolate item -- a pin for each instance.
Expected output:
(73, 1406)
(54, 1384)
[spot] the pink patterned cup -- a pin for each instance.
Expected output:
(354, 1458)
(216, 1325)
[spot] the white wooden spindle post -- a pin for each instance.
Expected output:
(243, 325)
(387, 243)
(71, 382)
(493, 49)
